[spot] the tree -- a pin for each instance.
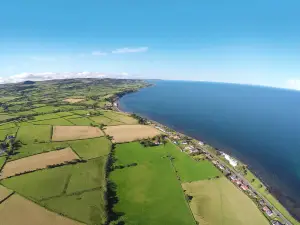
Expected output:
(252, 180)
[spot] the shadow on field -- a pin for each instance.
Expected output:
(114, 218)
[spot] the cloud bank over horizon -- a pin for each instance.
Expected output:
(63, 75)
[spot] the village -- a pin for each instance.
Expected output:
(226, 164)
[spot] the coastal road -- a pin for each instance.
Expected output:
(286, 221)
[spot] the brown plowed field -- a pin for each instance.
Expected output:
(38, 161)
(68, 133)
(127, 133)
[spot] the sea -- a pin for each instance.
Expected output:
(258, 125)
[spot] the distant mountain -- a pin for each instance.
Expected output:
(28, 82)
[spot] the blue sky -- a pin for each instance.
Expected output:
(253, 42)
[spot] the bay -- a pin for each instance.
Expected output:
(258, 125)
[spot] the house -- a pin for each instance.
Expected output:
(184, 143)
(221, 167)
(232, 177)
(159, 128)
(267, 210)
(238, 182)
(276, 222)
(261, 202)
(244, 187)
(201, 143)
(231, 161)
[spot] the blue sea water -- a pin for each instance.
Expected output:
(258, 125)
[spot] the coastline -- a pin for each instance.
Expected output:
(275, 204)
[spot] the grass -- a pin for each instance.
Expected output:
(219, 202)
(87, 176)
(45, 109)
(190, 169)
(46, 117)
(148, 193)
(8, 131)
(5, 117)
(81, 121)
(76, 191)
(262, 190)
(54, 122)
(87, 207)
(34, 133)
(7, 126)
(32, 149)
(2, 161)
(120, 117)
(40, 184)
(104, 120)
(91, 148)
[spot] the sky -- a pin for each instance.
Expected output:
(249, 42)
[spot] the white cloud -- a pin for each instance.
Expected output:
(99, 53)
(293, 84)
(64, 75)
(130, 50)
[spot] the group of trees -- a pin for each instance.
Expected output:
(140, 119)
(157, 140)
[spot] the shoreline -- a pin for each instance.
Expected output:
(285, 215)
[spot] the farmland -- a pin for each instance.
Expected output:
(217, 201)
(71, 158)
(128, 133)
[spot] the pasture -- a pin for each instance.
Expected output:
(29, 213)
(190, 169)
(54, 122)
(80, 121)
(8, 131)
(73, 100)
(46, 109)
(2, 161)
(122, 117)
(148, 193)
(5, 116)
(7, 125)
(4, 193)
(105, 120)
(36, 162)
(127, 133)
(67, 133)
(91, 148)
(33, 149)
(34, 133)
(87, 207)
(219, 202)
(76, 191)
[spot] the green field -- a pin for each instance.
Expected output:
(46, 109)
(190, 169)
(7, 125)
(5, 116)
(104, 120)
(47, 116)
(123, 118)
(91, 148)
(8, 131)
(32, 149)
(2, 161)
(219, 202)
(148, 193)
(40, 184)
(34, 133)
(80, 121)
(76, 191)
(87, 207)
(54, 122)
(262, 190)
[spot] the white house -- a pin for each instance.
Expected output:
(231, 161)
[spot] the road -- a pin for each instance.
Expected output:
(286, 221)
